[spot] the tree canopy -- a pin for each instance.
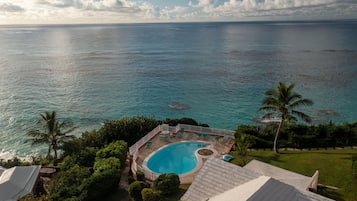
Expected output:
(282, 103)
(54, 133)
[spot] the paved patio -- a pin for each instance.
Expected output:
(222, 144)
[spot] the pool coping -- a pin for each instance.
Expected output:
(200, 160)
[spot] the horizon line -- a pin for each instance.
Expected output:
(184, 22)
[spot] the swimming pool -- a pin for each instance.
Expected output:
(177, 158)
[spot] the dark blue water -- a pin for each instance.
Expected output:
(90, 74)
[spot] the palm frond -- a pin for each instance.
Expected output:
(267, 108)
(302, 115)
(301, 102)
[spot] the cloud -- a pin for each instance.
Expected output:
(113, 11)
(177, 12)
(124, 6)
(8, 7)
(202, 3)
(237, 9)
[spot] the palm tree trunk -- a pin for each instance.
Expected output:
(49, 152)
(276, 136)
(55, 157)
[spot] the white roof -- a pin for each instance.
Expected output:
(299, 181)
(242, 192)
(17, 182)
(223, 181)
(262, 188)
(215, 177)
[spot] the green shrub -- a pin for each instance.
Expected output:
(71, 147)
(67, 186)
(100, 183)
(167, 184)
(149, 194)
(83, 158)
(67, 163)
(354, 166)
(128, 129)
(92, 138)
(135, 189)
(106, 163)
(117, 149)
(140, 176)
(86, 156)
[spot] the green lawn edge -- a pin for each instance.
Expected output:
(334, 166)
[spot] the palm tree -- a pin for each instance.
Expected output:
(52, 133)
(243, 142)
(281, 103)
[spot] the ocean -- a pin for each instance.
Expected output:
(218, 71)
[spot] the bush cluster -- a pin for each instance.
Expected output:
(302, 136)
(165, 185)
(99, 177)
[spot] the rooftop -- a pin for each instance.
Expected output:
(17, 182)
(220, 180)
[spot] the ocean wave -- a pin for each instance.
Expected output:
(9, 155)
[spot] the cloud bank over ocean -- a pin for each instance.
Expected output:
(123, 11)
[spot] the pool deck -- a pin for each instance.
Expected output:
(222, 145)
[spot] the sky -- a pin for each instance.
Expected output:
(131, 11)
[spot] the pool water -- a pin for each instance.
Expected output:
(177, 158)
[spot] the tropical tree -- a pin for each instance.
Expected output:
(281, 103)
(54, 133)
(243, 142)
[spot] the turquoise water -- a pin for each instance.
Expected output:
(177, 158)
(93, 73)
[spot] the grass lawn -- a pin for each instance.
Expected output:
(335, 168)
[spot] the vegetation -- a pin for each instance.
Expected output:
(52, 134)
(335, 168)
(354, 166)
(116, 149)
(128, 129)
(163, 187)
(185, 120)
(303, 136)
(243, 142)
(140, 176)
(149, 194)
(40, 198)
(135, 189)
(77, 182)
(281, 102)
(167, 184)
(68, 184)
